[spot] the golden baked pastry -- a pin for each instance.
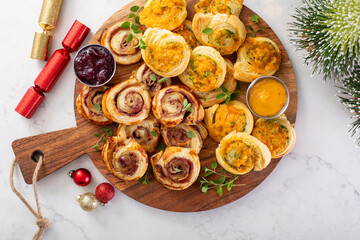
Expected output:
(167, 53)
(125, 160)
(206, 70)
(222, 119)
(146, 133)
(223, 32)
(240, 152)
(89, 103)
(209, 98)
(114, 39)
(175, 104)
(145, 75)
(277, 134)
(165, 14)
(176, 168)
(220, 6)
(187, 33)
(127, 102)
(187, 136)
(257, 57)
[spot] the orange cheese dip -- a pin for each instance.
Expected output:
(166, 56)
(227, 119)
(164, 14)
(262, 56)
(203, 73)
(267, 97)
(273, 135)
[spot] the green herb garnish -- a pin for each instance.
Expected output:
(153, 133)
(134, 27)
(207, 30)
(102, 137)
(97, 106)
(191, 134)
(227, 95)
(255, 19)
(164, 79)
(187, 106)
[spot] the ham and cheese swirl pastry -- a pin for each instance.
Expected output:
(222, 119)
(220, 6)
(176, 168)
(175, 104)
(167, 53)
(127, 102)
(206, 70)
(223, 32)
(114, 39)
(125, 160)
(165, 14)
(145, 75)
(89, 103)
(187, 136)
(187, 33)
(209, 98)
(146, 133)
(257, 57)
(239, 153)
(277, 134)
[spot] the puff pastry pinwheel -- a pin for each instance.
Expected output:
(115, 39)
(187, 33)
(206, 70)
(89, 103)
(167, 53)
(239, 153)
(146, 133)
(257, 57)
(187, 136)
(127, 102)
(125, 160)
(222, 119)
(165, 14)
(277, 134)
(175, 104)
(220, 6)
(223, 32)
(209, 98)
(145, 75)
(176, 168)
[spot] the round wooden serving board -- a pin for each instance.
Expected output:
(64, 146)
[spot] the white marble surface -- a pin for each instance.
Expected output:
(313, 193)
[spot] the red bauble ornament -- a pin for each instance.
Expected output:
(105, 192)
(81, 177)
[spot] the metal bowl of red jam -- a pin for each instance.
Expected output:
(267, 97)
(94, 65)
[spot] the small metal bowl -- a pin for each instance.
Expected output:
(95, 85)
(282, 109)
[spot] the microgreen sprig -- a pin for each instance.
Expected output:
(227, 95)
(145, 179)
(225, 180)
(187, 106)
(102, 137)
(133, 24)
(207, 30)
(255, 19)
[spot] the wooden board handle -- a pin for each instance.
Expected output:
(59, 148)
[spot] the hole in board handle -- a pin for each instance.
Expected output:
(35, 156)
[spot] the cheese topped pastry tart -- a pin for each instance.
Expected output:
(210, 98)
(89, 103)
(206, 70)
(127, 102)
(257, 57)
(187, 136)
(176, 168)
(222, 119)
(115, 39)
(220, 6)
(239, 153)
(277, 134)
(167, 53)
(125, 160)
(187, 33)
(223, 32)
(165, 14)
(146, 133)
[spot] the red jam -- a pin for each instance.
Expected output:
(94, 65)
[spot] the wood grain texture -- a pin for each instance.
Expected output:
(71, 143)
